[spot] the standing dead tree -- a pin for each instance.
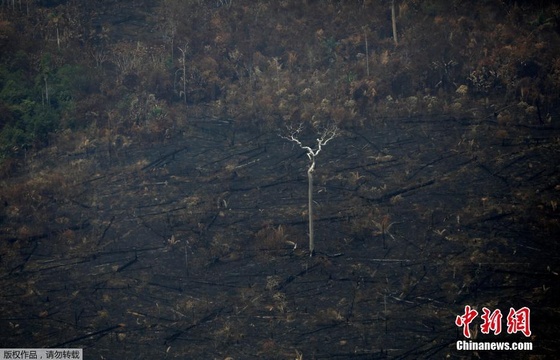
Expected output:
(326, 135)
(183, 70)
(394, 22)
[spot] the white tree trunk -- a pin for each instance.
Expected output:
(310, 210)
(394, 21)
(326, 135)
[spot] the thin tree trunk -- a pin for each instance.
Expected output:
(367, 53)
(46, 90)
(310, 210)
(394, 21)
(183, 61)
(185, 77)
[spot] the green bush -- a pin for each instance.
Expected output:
(12, 140)
(29, 115)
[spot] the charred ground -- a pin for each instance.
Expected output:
(149, 208)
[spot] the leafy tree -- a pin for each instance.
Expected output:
(34, 106)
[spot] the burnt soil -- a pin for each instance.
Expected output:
(195, 246)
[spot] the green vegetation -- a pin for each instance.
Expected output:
(36, 103)
(267, 63)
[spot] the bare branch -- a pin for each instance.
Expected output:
(326, 135)
(293, 133)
